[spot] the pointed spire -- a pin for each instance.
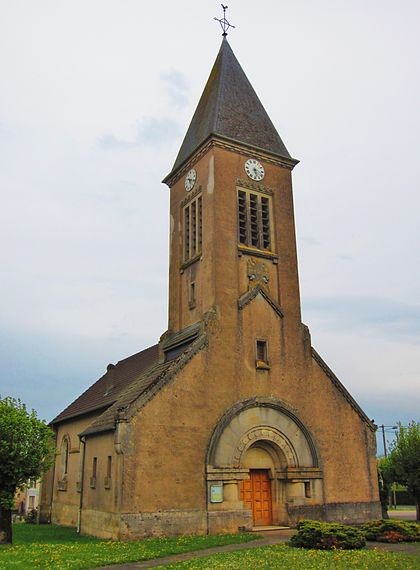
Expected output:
(230, 108)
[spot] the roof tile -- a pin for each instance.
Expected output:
(105, 391)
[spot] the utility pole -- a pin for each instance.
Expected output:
(386, 455)
(383, 439)
(388, 428)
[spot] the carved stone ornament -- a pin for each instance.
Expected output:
(257, 274)
(254, 186)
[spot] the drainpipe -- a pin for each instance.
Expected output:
(207, 500)
(52, 478)
(82, 476)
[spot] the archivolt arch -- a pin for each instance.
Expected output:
(65, 437)
(261, 419)
(265, 434)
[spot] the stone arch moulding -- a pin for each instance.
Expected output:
(269, 434)
(229, 429)
(65, 438)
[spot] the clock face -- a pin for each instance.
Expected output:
(190, 180)
(254, 169)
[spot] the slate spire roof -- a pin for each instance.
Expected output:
(230, 108)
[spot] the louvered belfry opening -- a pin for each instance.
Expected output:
(193, 231)
(265, 223)
(254, 220)
(242, 217)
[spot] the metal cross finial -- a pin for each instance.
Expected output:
(223, 22)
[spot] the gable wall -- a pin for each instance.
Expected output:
(166, 471)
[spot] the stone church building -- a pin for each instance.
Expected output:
(232, 420)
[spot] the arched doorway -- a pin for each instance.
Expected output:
(265, 460)
(257, 493)
(267, 453)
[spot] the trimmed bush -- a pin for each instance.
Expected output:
(327, 536)
(391, 530)
(31, 516)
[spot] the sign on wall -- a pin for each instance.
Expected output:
(216, 493)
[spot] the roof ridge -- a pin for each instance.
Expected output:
(135, 354)
(220, 85)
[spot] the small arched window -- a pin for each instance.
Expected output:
(65, 448)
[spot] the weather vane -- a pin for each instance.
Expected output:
(223, 22)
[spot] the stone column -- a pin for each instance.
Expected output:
(296, 492)
(231, 494)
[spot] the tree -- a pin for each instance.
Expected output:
(26, 451)
(405, 460)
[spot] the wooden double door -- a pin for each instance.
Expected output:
(256, 495)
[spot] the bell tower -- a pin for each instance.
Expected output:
(231, 206)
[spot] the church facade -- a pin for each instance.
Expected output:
(232, 420)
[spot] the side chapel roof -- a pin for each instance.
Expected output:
(230, 108)
(139, 375)
(143, 388)
(105, 391)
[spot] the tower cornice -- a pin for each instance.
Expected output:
(231, 145)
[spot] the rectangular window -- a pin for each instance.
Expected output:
(261, 356)
(254, 220)
(261, 351)
(308, 491)
(107, 478)
(193, 228)
(92, 482)
(191, 300)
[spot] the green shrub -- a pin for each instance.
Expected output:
(31, 516)
(391, 530)
(327, 536)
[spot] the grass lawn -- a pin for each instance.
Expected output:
(54, 547)
(284, 557)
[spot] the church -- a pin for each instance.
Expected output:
(232, 420)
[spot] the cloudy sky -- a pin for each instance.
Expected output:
(95, 97)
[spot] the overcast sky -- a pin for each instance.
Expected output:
(95, 98)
